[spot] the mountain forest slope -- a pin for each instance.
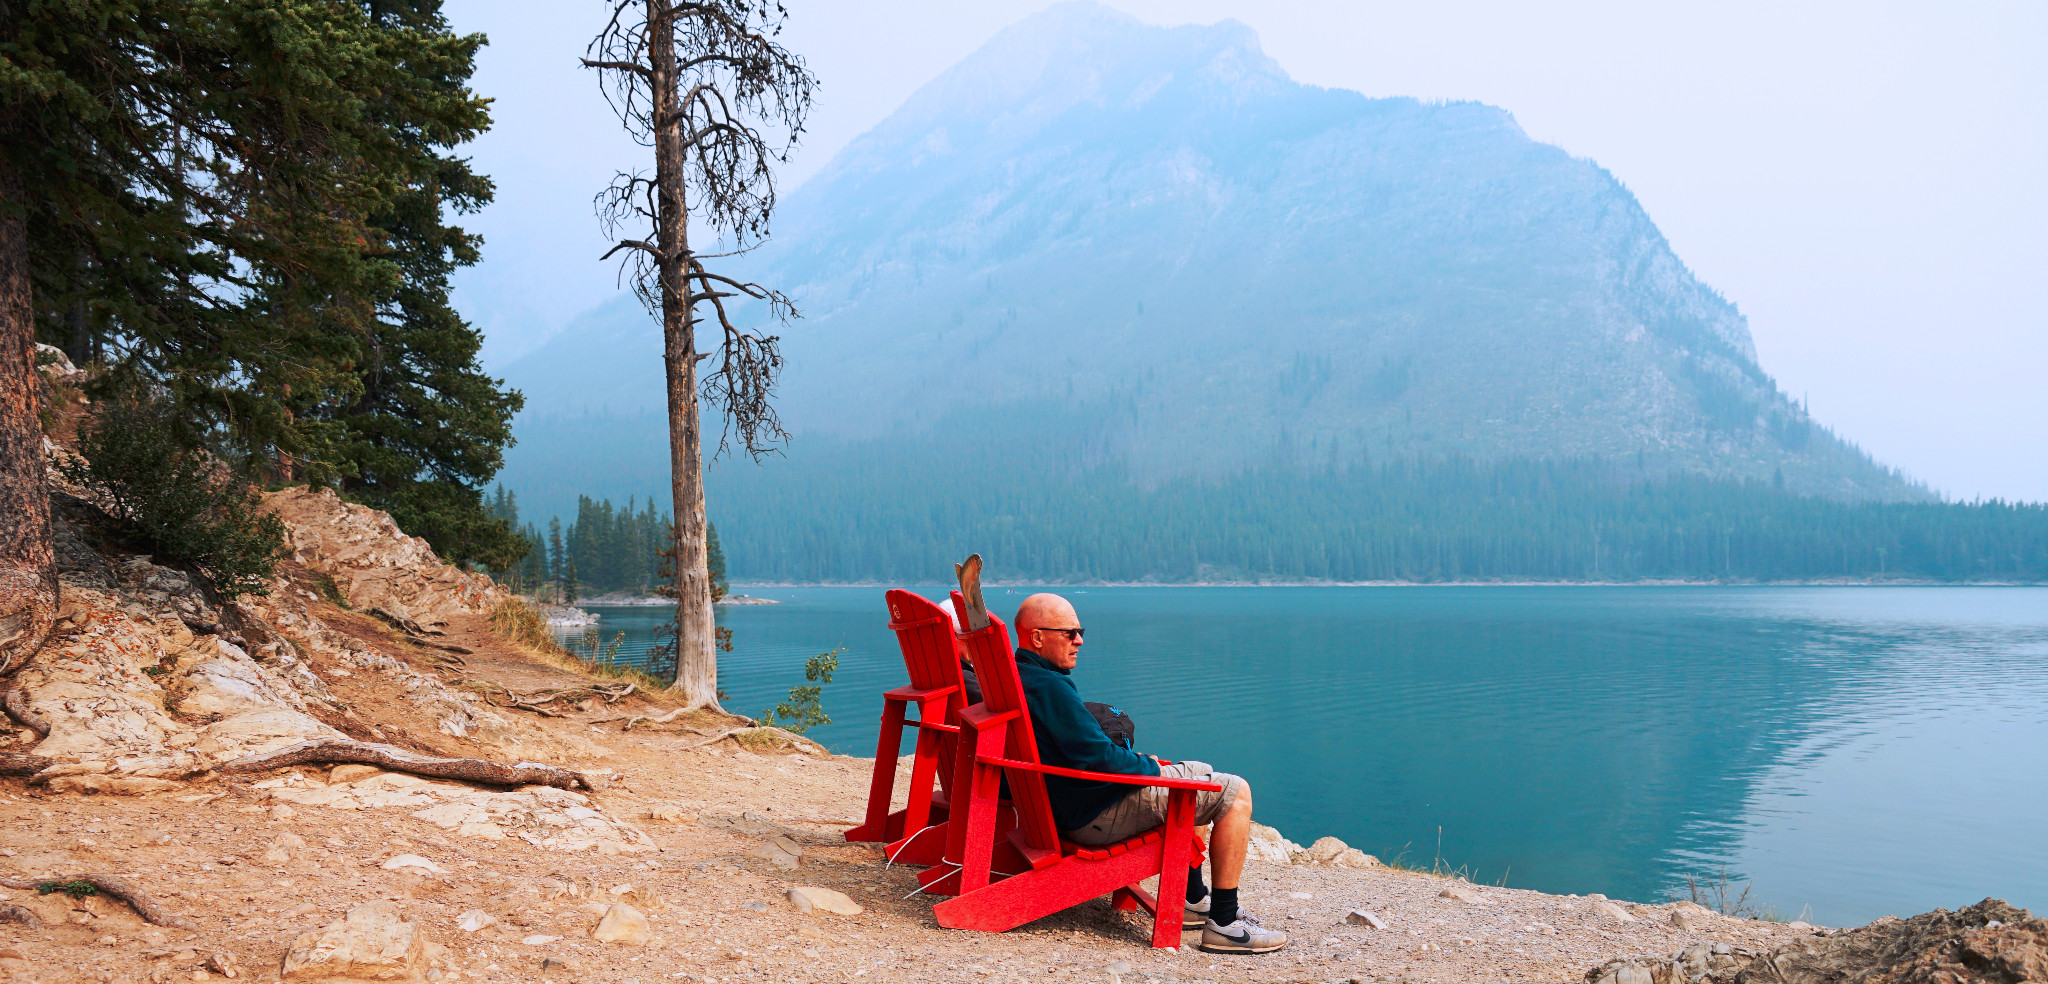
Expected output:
(1152, 252)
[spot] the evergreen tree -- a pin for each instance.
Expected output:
(188, 187)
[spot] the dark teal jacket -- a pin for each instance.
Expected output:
(1069, 737)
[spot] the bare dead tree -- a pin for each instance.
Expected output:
(706, 85)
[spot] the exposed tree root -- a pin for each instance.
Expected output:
(13, 764)
(16, 704)
(114, 886)
(538, 700)
(773, 734)
(336, 750)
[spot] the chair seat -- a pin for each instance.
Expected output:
(1107, 851)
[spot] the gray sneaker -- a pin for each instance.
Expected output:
(1243, 936)
(1197, 913)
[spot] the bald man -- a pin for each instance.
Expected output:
(1049, 639)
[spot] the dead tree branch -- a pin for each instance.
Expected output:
(328, 751)
(14, 764)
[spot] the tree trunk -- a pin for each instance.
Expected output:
(28, 579)
(696, 679)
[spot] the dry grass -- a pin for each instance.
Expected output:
(526, 629)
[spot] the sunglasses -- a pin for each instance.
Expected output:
(1071, 634)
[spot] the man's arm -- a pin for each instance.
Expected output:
(1079, 738)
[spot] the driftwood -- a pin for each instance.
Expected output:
(15, 764)
(325, 751)
(17, 707)
(114, 886)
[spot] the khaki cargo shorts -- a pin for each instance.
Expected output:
(1145, 807)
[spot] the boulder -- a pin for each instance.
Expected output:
(373, 942)
(374, 564)
(1991, 941)
(623, 924)
(809, 898)
(1268, 846)
(1462, 893)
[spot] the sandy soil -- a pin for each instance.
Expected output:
(719, 912)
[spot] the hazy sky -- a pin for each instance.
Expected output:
(1867, 181)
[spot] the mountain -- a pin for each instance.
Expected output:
(1150, 247)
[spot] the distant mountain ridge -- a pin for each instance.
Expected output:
(1152, 245)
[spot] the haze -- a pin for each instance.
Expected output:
(1862, 180)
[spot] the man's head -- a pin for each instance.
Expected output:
(1046, 625)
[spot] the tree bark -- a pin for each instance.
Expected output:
(696, 679)
(28, 579)
(114, 886)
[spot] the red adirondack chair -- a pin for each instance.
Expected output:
(931, 653)
(1053, 874)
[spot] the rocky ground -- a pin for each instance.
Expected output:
(677, 864)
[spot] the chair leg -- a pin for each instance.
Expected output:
(883, 784)
(979, 830)
(1173, 869)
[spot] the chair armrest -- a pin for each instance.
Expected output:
(913, 693)
(980, 718)
(1163, 782)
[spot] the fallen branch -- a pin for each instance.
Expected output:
(15, 764)
(325, 751)
(17, 707)
(112, 885)
(10, 912)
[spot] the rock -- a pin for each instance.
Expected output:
(1365, 917)
(475, 919)
(1681, 919)
(1119, 967)
(223, 963)
(539, 940)
(374, 941)
(351, 773)
(781, 850)
(1352, 857)
(413, 862)
(282, 812)
(1326, 849)
(1623, 972)
(1541, 929)
(623, 924)
(302, 909)
(807, 898)
(1612, 911)
(1462, 894)
(374, 564)
(1800, 925)
(283, 849)
(1268, 846)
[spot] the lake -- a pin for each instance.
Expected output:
(1847, 752)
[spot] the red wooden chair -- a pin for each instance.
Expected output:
(1052, 874)
(931, 653)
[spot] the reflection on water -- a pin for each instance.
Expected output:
(1857, 751)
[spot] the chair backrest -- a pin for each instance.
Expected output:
(931, 652)
(995, 665)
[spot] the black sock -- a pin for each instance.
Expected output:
(1196, 886)
(1223, 906)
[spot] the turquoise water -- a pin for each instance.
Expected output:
(1849, 752)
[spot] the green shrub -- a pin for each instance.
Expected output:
(178, 499)
(804, 707)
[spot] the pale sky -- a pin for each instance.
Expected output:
(1868, 181)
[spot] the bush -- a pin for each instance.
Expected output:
(178, 499)
(805, 706)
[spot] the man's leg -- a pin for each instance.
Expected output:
(1229, 841)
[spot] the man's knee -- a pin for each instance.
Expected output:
(1241, 803)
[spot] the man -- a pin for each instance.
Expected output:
(1049, 639)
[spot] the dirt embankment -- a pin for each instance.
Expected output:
(677, 863)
